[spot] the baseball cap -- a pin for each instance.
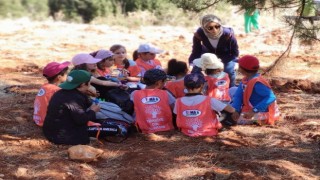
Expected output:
(83, 58)
(149, 48)
(54, 68)
(194, 80)
(249, 62)
(103, 54)
(151, 76)
(75, 78)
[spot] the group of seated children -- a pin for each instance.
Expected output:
(191, 103)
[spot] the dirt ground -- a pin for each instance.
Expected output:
(289, 150)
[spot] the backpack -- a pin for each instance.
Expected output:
(113, 111)
(115, 95)
(122, 98)
(111, 130)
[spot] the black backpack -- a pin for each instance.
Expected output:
(115, 95)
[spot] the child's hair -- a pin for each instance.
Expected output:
(176, 67)
(86, 83)
(93, 54)
(154, 75)
(211, 71)
(115, 47)
(135, 55)
(99, 64)
(194, 80)
(81, 67)
(249, 71)
(62, 73)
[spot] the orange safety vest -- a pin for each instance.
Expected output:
(197, 120)
(273, 113)
(104, 73)
(153, 111)
(133, 70)
(176, 87)
(146, 66)
(218, 88)
(41, 102)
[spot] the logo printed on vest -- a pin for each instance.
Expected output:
(150, 100)
(194, 124)
(221, 83)
(41, 92)
(191, 113)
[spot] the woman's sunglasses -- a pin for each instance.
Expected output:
(213, 27)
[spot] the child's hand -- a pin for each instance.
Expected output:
(125, 72)
(123, 86)
(92, 92)
(248, 115)
(235, 116)
(95, 107)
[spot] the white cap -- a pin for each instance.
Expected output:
(149, 48)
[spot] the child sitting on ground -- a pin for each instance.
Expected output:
(217, 81)
(70, 110)
(254, 99)
(196, 114)
(55, 73)
(153, 105)
(104, 66)
(147, 58)
(178, 69)
(88, 63)
(127, 67)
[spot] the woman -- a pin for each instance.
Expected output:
(212, 37)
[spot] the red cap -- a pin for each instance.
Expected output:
(54, 68)
(249, 62)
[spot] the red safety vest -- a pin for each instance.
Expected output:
(41, 102)
(146, 66)
(273, 113)
(218, 88)
(176, 87)
(197, 120)
(104, 73)
(153, 112)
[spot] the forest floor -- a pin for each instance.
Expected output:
(288, 150)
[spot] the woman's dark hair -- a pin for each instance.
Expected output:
(62, 73)
(115, 47)
(176, 67)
